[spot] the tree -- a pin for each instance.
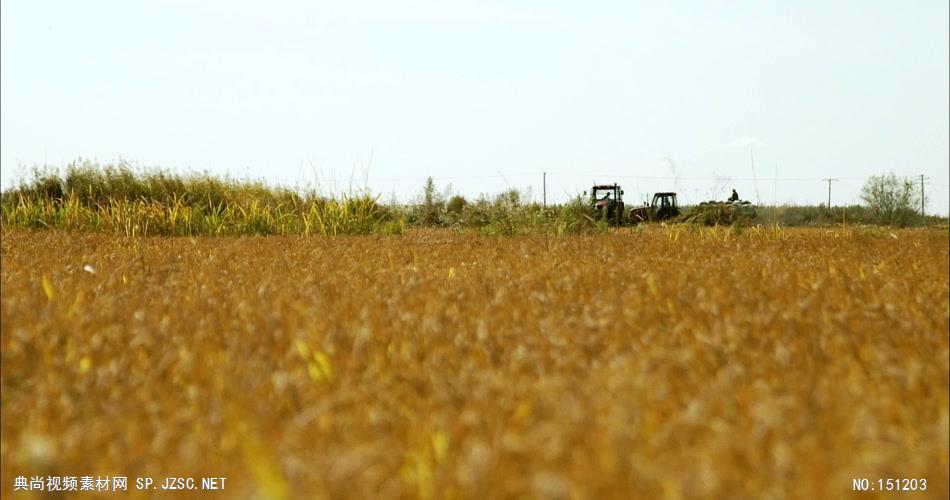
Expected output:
(432, 203)
(891, 199)
(509, 197)
(456, 204)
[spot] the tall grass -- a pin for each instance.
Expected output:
(119, 199)
(116, 198)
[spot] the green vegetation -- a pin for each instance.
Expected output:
(821, 215)
(118, 199)
(507, 213)
(892, 200)
(888, 201)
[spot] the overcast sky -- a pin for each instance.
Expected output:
(485, 95)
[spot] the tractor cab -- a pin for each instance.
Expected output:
(664, 206)
(606, 200)
(608, 193)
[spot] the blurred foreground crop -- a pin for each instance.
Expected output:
(654, 362)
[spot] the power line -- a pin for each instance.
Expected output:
(440, 178)
(545, 174)
(730, 179)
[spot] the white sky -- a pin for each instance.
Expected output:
(485, 95)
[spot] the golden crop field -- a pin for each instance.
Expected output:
(657, 362)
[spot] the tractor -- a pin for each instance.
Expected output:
(606, 201)
(663, 207)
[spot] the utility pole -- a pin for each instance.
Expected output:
(829, 190)
(544, 188)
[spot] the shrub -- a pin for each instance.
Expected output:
(891, 199)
